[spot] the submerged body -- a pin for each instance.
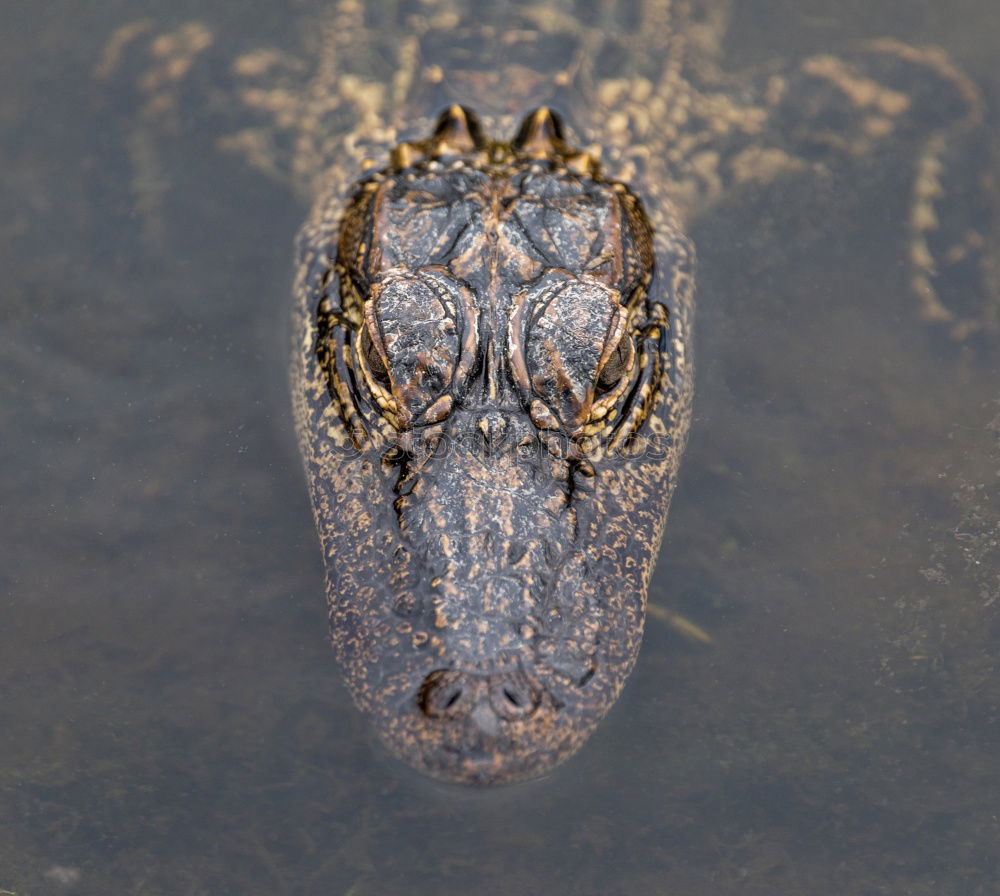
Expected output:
(492, 373)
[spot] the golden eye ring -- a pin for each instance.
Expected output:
(373, 359)
(617, 365)
(374, 372)
(615, 374)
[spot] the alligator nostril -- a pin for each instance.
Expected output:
(514, 699)
(441, 694)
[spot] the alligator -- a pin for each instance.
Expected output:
(492, 364)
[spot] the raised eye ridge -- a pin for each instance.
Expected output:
(417, 344)
(569, 348)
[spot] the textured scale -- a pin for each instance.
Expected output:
(492, 360)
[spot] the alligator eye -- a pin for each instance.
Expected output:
(615, 367)
(373, 359)
(417, 344)
(566, 346)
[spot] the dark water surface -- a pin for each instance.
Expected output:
(171, 717)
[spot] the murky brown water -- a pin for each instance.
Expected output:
(171, 717)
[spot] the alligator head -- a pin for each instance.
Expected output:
(491, 399)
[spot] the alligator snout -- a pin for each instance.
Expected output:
(480, 727)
